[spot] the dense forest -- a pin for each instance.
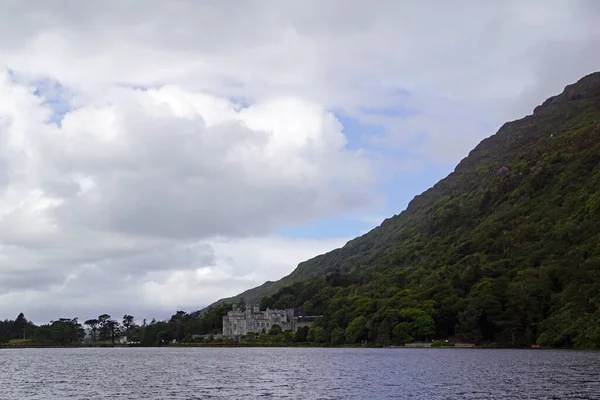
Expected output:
(505, 250)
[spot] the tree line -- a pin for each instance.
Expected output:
(105, 330)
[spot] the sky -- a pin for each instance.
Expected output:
(156, 156)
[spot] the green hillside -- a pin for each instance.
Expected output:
(505, 249)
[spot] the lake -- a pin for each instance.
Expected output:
(298, 373)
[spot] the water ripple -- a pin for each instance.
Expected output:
(292, 373)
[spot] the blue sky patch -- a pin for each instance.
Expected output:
(56, 97)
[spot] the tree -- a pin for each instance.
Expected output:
(109, 328)
(358, 330)
(338, 336)
(128, 324)
(165, 336)
(482, 316)
(62, 332)
(93, 324)
(419, 323)
(112, 327)
(211, 321)
(401, 334)
(310, 337)
(527, 296)
(320, 335)
(178, 324)
(301, 334)
(4, 331)
(424, 326)
(103, 327)
(149, 334)
(75, 332)
(266, 302)
(19, 326)
(383, 333)
(242, 305)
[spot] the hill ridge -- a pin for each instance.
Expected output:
(537, 171)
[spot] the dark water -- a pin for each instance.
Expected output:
(291, 373)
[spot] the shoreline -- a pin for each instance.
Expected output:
(271, 345)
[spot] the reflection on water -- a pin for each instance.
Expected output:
(292, 373)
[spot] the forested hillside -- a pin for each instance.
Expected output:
(505, 249)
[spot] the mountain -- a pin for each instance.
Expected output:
(505, 249)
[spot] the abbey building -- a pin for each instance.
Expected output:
(240, 322)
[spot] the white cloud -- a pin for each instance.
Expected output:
(339, 53)
(160, 281)
(108, 200)
(148, 162)
(495, 61)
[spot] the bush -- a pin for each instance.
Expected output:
(275, 330)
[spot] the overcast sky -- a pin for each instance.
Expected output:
(159, 155)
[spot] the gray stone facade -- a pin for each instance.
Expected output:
(252, 319)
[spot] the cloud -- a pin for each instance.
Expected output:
(466, 66)
(133, 134)
(149, 162)
(121, 198)
(160, 281)
(340, 53)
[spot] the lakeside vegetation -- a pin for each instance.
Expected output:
(182, 330)
(107, 331)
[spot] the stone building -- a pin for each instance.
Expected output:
(252, 319)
